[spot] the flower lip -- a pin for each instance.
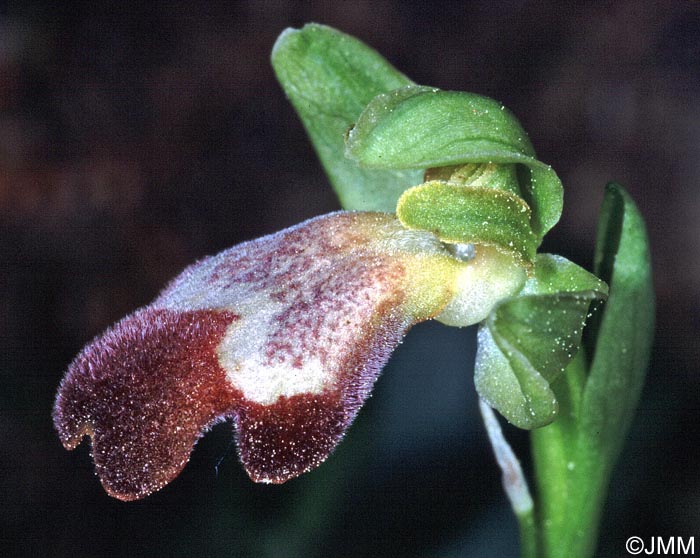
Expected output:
(285, 335)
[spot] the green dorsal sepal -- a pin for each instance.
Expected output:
(417, 127)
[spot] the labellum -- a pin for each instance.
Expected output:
(284, 335)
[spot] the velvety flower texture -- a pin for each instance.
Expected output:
(285, 335)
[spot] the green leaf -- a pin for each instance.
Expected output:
(419, 127)
(625, 330)
(330, 77)
(575, 455)
(458, 214)
(528, 340)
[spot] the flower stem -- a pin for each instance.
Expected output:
(571, 479)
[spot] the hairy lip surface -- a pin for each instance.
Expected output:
(143, 392)
(285, 335)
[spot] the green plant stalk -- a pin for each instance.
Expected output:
(540, 529)
(571, 481)
(529, 539)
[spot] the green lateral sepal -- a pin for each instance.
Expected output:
(330, 77)
(528, 340)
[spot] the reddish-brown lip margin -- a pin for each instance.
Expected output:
(147, 390)
(144, 392)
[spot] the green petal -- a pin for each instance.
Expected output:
(420, 127)
(475, 215)
(330, 77)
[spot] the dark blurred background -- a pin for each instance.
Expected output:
(137, 138)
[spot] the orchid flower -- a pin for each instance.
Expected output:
(286, 335)
(446, 206)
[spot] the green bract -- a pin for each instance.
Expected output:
(575, 455)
